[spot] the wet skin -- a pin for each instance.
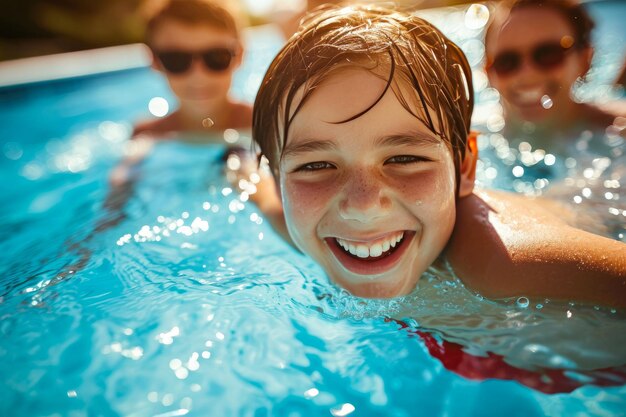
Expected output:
(522, 91)
(365, 183)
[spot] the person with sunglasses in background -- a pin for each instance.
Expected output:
(196, 45)
(536, 50)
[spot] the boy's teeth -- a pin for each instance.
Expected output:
(530, 96)
(374, 250)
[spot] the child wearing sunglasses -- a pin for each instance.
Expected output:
(196, 45)
(364, 120)
(536, 50)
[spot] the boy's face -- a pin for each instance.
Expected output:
(371, 200)
(531, 36)
(198, 86)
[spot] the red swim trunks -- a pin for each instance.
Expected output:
(550, 381)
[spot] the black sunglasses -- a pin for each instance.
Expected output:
(178, 62)
(544, 56)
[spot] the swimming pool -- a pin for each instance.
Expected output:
(182, 300)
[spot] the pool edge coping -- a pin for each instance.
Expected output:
(73, 64)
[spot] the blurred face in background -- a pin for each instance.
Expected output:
(533, 61)
(198, 61)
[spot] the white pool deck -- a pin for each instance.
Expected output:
(73, 64)
(96, 61)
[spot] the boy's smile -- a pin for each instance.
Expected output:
(371, 257)
(372, 200)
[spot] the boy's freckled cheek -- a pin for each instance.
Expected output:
(424, 185)
(303, 198)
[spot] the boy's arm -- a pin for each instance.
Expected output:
(135, 153)
(505, 245)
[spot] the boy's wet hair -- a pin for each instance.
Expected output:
(193, 12)
(572, 10)
(403, 49)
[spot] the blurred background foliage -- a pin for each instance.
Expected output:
(40, 27)
(36, 27)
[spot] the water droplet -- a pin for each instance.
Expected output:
(546, 102)
(311, 393)
(175, 364)
(342, 410)
(181, 373)
(207, 122)
(523, 302)
(13, 150)
(476, 16)
(167, 400)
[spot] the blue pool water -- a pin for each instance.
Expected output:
(177, 298)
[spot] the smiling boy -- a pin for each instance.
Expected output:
(380, 184)
(364, 118)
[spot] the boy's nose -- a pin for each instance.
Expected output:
(364, 199)
(197, 67)
(528, 70)
(199, 70)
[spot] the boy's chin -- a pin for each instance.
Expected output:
(376, 288)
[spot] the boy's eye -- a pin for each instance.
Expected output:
(406, 159)
(314, 166)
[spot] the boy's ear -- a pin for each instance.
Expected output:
(239, 56)
(468, 166)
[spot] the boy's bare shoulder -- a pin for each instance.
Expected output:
(609, 113)
(504, 227)
(614, 108)
(506, 245)
(155, 127)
